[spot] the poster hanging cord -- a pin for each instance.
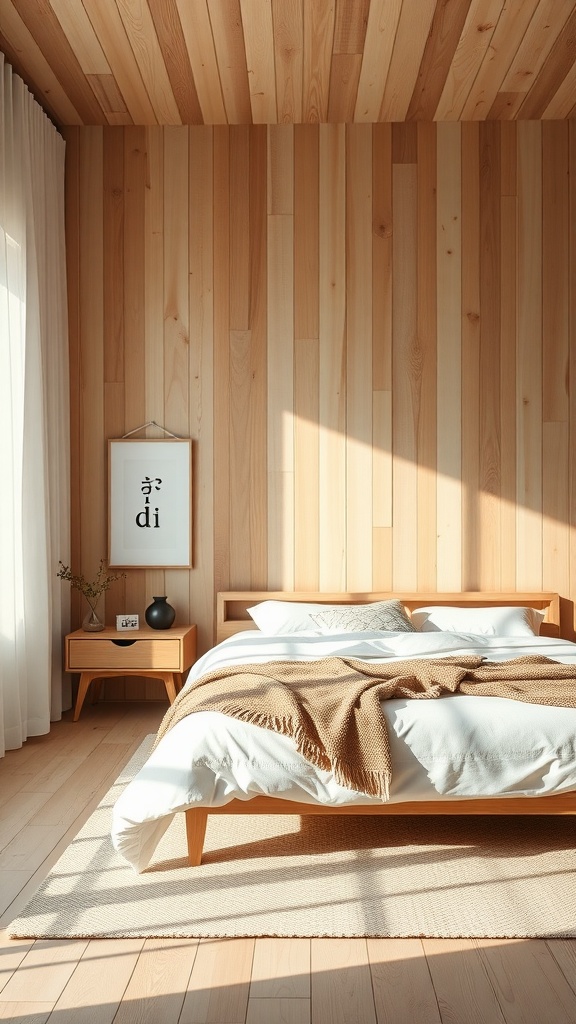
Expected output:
(151, 423)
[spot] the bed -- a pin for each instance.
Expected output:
(456, 755)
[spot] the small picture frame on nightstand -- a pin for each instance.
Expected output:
(126, 622)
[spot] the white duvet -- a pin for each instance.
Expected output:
(456, 747)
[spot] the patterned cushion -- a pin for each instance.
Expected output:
(380, 615)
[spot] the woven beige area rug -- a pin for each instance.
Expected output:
(287, 876)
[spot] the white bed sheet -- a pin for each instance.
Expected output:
(457, 747)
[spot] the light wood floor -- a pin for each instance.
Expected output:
(49, 788)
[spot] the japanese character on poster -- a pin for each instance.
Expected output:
(150, 503)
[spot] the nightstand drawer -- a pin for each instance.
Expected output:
(155, 654)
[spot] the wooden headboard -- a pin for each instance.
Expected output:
(232, 615)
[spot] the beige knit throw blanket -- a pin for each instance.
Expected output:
(331, 707)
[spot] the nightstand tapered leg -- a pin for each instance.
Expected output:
(170, 685)
(85, 680)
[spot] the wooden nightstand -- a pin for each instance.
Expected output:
(160, 653)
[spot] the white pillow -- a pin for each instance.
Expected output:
(277, 617)
(389, 616)
(503, 621)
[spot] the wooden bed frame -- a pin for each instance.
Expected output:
(232, 617)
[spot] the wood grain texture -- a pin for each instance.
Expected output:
(201, 377)
(92, 478)
(155, 251)
(405, 376)
(555, 504)
(359, 425)
(344, 76)
(239, 229)
(545, 27)
(553, 73)
(226, 23)
(411, 36)
(306, 463)
(512, 24)
(341, 982)
(82, 37)
(73, 247)
(562, 103)
(382, 248)
(298, 61)
(426, 355)
(289, 45)
(490, 431)
(508, 321)
(470, 989)
(259, 41)
(318, 24)
(139, 26)
(403, 992)
(176, 347)
(572, 337)
(280, 401)
(259, 263)
(529, 357)
(196, 63)
(221, 468)
(35, 70)
(45, 28)
(175, 49)
(306, 231)
(332, 376)
(367, 332)
(555, 270)
(449, 358)
(176, 277)
(136, 176)
(471, 331)
(350, 26)
(106, 91)
(445, 31)
(219, 984)
(479, 27)
(380, 34)
(508, 964)
(105, 18)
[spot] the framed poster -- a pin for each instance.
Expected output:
(150, 503)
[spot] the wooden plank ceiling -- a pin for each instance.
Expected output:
(267, 61)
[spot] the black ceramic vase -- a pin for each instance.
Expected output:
(159, 614)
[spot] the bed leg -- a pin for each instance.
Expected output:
(196, 821)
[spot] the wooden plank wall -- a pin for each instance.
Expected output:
(368, 332)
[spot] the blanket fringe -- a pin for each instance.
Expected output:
(369, 783)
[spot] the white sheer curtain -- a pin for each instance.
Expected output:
(34, 421)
